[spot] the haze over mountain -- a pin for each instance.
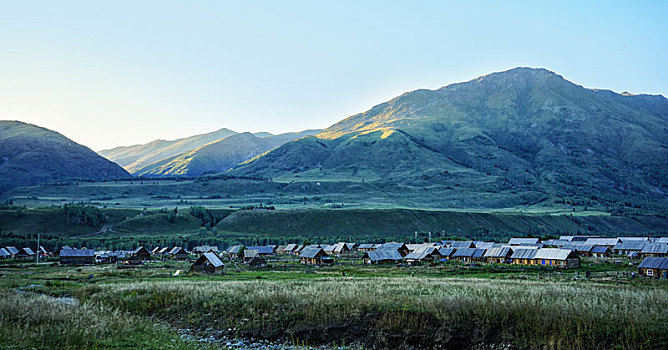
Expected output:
(523, 131)
(220, 155)
(135, 157)
(30, 155)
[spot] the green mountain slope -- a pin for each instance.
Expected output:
(520, 131)
(136, 157)
(30, 155)
(220, 155)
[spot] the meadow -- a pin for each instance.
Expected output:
(448, 306)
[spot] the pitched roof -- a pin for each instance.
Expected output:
(661, 240)
(498, 252)
(290, 247)
(366, 246)
(655, 263)
(311, 252)
(234, 249)
(655, 248)
(12, 250)
(262, 249)
(598, 249)
(579, 247)
(552, 254)
(469, 253)
(422, 252)
(483, 245)
(633, 245)
(392, 245)
(523, 241)
(602, 241)
(212, 258)
(28, 251)
(72, 253)
(251, 253)
(138, 250)
(446, 251)
(461, 244)
(4, 252)
(634, 239)
(523, 253)
(177, 250)
(384, 255)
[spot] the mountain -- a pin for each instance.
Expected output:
(525, 132)
(133, 158)
(30, 155)
(220, 155)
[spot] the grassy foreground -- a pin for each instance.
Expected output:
(406, 312)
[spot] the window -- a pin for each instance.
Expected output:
(650, 272)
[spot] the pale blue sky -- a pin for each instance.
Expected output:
(126, 72)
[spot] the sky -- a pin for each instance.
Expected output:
(115, 73)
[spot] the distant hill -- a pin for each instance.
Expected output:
(220, 155)
(525, 132)
(30, 155)
(134, 158)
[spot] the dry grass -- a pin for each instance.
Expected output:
(528, 313)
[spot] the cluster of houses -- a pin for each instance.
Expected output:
(564, 252)
(11, 252)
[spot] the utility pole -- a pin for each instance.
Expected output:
(416, 237)
(37, 251)
(429, 237)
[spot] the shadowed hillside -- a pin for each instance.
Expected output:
(30, 155)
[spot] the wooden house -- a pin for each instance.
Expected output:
(631, 247)
(580, 249)
(208, 263)
(178, 253)
(235, 251)
(4, 254)
(366, 247)
(423, 254)
(313, 256)
(77, 256)
(264, 249)
(564, 258)
(201, 249)
(382, 256)
(446, 253)
(600, 251)
(290, 248)
(399, 247)
(12, 251)
(523, 256)
(654, 267)
(253, 259)
(25, 253)
(140, 254)
(498, 255)
(654, 250)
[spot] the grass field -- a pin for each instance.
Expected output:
(451, 306)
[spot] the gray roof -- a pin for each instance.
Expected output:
(633, 245)
(655, 263)
(556, 242)
(213, 259)
(263, 249)
(661, 240)
(235, 249)
(484, 245)
(579, 247)
(461, 244)
(311, 252)
(446, 251)
(655, 248)
(366, 246)
(634, 239)
(599, 249)
(4, 252)
(422, 253)
(73, 253)
(28, 251)
(177, 250)
(251, 253)
(523, 253)
(498, 252)
(12, 250)
(552, 254)
(469, 252)
(384, 255)
(602, 241)
(290, 247)
(523, 241)
(137, 250)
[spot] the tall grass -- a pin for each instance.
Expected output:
(536, 314)
(43, 322)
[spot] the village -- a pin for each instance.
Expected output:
(648, 253)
